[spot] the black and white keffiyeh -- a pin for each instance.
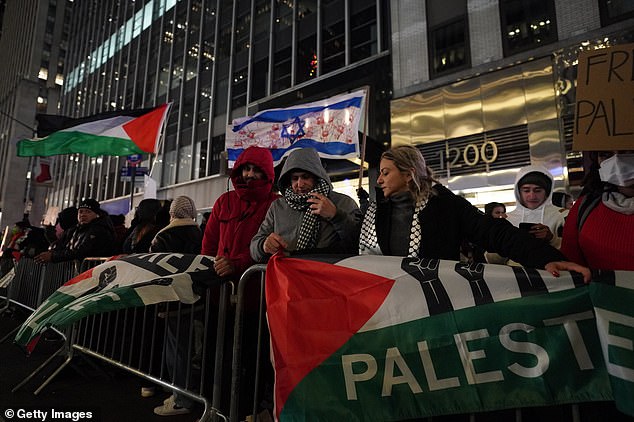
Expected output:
(309, 229)
(369, 243)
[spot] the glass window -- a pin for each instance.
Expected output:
(201, 165)
(615, 10)
(448, 47)
(448, 36)
(333, 36)
(239, 90)
(217, 147)
(306, 60)
(283, 33)
(260, 68)
(363, 30)
(527, 24)
(282, 69)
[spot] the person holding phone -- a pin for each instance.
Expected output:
(534, 211)
(309, 217)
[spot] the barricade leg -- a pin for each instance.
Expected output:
(64, 349)
(237, 343)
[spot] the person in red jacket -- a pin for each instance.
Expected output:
(601, 230)
(236, 216)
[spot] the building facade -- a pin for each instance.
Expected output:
(484, 87)
(215, 60)
(32, 54)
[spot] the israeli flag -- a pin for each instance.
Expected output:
(331, 126)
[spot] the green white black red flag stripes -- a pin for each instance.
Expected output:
(132, 280)
(118, 133)
(387, 338)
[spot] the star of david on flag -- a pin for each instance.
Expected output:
(331, 126)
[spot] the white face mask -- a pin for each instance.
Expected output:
(618, 170)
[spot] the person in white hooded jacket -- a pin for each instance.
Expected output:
(533, 191)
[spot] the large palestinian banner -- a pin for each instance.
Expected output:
(132, 280)
(385, 338)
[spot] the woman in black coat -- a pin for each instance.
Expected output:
(411, 217)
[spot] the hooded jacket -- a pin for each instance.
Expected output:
(546, 213)
(338, 235)
(237, 214)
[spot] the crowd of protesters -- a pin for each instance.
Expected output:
(412, 215)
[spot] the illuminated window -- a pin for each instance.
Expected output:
(527, 24)
(448, 36)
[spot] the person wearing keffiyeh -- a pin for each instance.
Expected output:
(309, 217)
(415, 217)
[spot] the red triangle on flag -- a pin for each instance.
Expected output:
(144, 130)
(313, 309)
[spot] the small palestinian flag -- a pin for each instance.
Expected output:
(113, 133)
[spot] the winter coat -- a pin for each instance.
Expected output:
(236, 216)
(605, 240)
(95, 239)
(448, 219)
(142, 244)
(181, 235)
(338, 235)
(546, 214)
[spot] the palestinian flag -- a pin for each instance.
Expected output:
(113, 133)
(132, 280)
(377, 338)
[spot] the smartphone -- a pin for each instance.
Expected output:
(526, 226)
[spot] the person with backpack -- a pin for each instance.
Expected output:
(600, 227)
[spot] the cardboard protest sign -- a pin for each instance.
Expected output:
(605, 99)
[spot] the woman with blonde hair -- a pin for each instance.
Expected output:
(415, 216)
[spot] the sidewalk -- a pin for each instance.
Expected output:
(109, 393)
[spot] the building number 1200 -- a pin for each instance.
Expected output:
(471, 155)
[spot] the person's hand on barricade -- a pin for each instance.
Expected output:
(555, 267)
(273, 243)
(44, 257)
(224, 266)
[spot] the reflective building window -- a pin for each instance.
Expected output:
(527, 24)
(615, 10)
(448, 36)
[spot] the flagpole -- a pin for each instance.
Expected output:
(159, 145)
(365, 131)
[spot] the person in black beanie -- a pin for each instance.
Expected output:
(92, 237)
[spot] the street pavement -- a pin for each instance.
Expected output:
(89, 385)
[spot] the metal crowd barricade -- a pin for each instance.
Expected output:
(144, 340)
(248, 282)
(34, 283)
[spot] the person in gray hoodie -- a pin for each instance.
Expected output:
(309, 217)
